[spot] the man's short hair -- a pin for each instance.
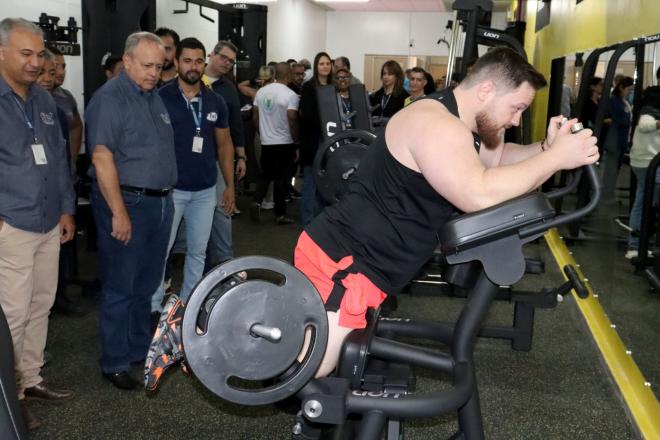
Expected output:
(49, 55)
(167, 32)
(111, 62)
(345, 61)
(505, 66)
(224, 43)
(657, 74)
(189, 43)
(55, 51)
(7, 25)
(418, 69)
(305, 62)
(282, 71)
(135, 38)
(295, 65)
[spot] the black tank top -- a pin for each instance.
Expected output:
(389, 218)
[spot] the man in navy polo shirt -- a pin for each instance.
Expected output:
(201, 136)
(131, 142)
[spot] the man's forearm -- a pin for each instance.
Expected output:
(225, 151)
(295, 132)
(514, 153)
(75, 138)
(108, 179)
(240, 152)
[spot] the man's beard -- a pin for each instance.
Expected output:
(167, 65)
(488, 131)
(191, 80)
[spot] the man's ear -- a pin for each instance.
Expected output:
(486, 90)
(2, 53)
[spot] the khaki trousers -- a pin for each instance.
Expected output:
(28, 280)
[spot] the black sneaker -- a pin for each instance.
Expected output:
(255, 212)
(283, 220)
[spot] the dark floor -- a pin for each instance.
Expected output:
(558, 390)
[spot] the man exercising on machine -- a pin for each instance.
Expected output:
(440, 156)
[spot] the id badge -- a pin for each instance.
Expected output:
(198, 143)
(39, 154)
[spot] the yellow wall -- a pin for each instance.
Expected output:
(577, 28)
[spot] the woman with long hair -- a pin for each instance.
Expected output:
(391, 97)
(310, 135)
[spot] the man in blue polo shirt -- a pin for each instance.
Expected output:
(131, 142)
(36, 205)
(201, 136)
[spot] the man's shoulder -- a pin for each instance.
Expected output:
(168, 91)
(432, 118)
(109, 94)
(215, 98)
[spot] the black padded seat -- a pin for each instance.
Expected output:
(471, 230)
(12, 426)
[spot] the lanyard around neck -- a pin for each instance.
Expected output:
(28, 121)
(197, 116)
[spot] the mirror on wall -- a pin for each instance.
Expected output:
(607, 243)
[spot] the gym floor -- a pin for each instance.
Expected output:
(558, 390)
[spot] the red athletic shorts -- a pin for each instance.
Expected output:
(360, 294)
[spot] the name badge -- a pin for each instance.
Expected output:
(39, 154)
(198, 143)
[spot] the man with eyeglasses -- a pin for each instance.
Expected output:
(343, 82)
(217, 75)
(344, 63)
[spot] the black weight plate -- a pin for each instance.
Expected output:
(337, 159)
(227, 350)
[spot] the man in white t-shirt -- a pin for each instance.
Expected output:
(276, 118)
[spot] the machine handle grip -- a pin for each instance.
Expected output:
(576, 282)
(596, 186)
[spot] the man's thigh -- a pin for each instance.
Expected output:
(17, 250)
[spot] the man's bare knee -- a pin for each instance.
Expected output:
(336, 336)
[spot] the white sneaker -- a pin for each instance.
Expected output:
(634, 253)
(267, 205)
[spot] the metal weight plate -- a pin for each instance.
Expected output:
(246, 333)
(337, 159)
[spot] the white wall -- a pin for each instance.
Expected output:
(190, 24)
(296, 29)
(31, 9)
(356, 34)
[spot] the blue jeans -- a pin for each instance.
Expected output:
(310, 202)
(129, 275)
(220, 247)
(636, 211)
(196, 207)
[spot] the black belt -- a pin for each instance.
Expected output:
(146, 191)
